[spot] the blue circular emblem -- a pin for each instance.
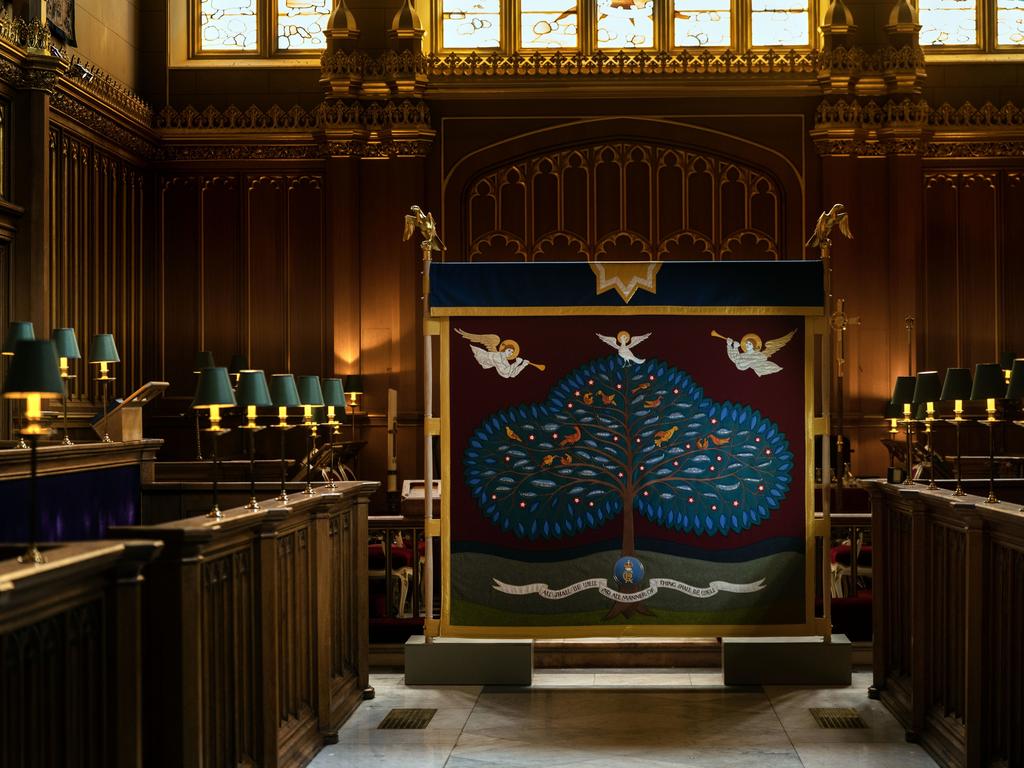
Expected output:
(628, 571)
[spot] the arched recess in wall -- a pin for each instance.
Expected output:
(623, 189)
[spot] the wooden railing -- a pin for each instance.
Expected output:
(255, 646)
(949, 629)
(70, 656)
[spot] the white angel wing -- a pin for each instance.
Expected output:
(637, 339)
(773, 346)
(611, 342)
(489, 340)
(483, 357)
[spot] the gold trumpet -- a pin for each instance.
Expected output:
(538, 366)
(717, 335)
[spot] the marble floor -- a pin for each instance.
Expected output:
(615, 718)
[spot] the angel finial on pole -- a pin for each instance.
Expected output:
(822, 235)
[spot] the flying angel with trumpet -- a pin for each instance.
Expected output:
(749, 353)
(500, 354)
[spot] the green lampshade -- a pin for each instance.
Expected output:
(353, 384)
(310, 392)
(66, 342)
(1015, 391)
(1006, 360)
(214, 389)
(283, 392)
(989, 381)
(103, 350)
(18, 330)
(893, 411)
(252, 389)
(903, 392)
(928, 387)
(204, 359)
(334, 392)
(34, 371)
(957, 385)
(238, 364)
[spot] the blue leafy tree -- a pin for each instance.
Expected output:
(614, 439)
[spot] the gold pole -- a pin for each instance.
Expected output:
(428, 451)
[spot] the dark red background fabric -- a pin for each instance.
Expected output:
(683, 342)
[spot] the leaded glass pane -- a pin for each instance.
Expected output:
(471, 23)
(300, 24)
(700, 23)
(1010, 21)
(227, 25)
(548, 24)
(948, 22)
(625, 23)
(780, 22)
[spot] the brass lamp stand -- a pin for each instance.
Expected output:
(903, 397)
(213, 393)
(252, 393)
(957, 387)
(989, 384)
(312, 396)
(283, 394)
(102, 352)
(334, 397)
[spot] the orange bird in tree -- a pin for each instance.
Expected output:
(719, 440)
(702, 443)
(607, 399)
(653, 403)
(546, 461)
(573, 438)
(566, 460)
(512, 435)
(588, 398)
(660, 438)
(641, 387)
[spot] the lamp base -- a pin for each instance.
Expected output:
(253, 504)
(106, 438)
(215, 513)
(67, 441)
(282, 497)
(21, 443)
(959, 491)
(32, 555)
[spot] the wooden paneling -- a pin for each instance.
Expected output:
(244, 270)
(96, 261)
(947, 648)
(256, 648)
(69, 655)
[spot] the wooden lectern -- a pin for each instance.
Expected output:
(124, 422)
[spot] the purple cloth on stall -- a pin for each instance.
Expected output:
(75, 506)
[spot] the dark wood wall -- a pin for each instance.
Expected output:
(242, 269)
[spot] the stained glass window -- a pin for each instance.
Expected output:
(548, 24)
(1010, 22)
(625, 23)
(300, 24)
(948, 22)
(227, 25)
(471, 23)
(780, 22)
(701, 23)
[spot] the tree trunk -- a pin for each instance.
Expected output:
(628, 543)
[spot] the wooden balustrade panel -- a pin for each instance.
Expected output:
(946, 595)
(1004, 692)
(228, 647)
(295, 631)
(53, 691)
(898, 546)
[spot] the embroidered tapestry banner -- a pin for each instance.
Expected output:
(617, 469)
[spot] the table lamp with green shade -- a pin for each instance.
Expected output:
(33, 375)
(103, 352)
(17, 330)
(903, 398)
(284, 395)
(927, 389)
(312, 396)
(66, 342)
(204, 359)
(213, 393)
(989, 385)
(252, 393)
(334, 397)
(957, 387)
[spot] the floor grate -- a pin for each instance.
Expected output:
(407, 718)
(837, 717)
